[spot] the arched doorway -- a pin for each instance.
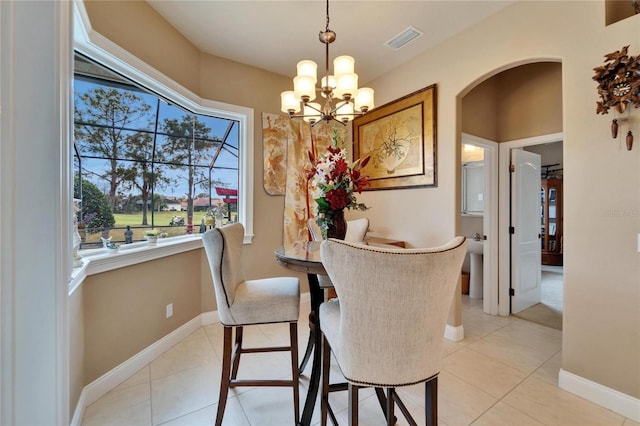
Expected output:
(521, 102)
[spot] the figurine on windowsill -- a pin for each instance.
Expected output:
(128, 235)
(77, 259)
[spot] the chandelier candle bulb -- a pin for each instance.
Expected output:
(346, 86)
(304, 88)
(311, 112)
(308, 68)
(364, 99)
(344, 111)
(289, 102)
(343, 65)
(331, 85)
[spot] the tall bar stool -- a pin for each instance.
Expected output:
(386, 328)
(243, 302)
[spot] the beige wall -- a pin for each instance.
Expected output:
(124, 309)
(479, 110)
(235, 83)
(518, 103)
(601, 337)
(529, 101)
(138, 28)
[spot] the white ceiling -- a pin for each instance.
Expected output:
(275, 35)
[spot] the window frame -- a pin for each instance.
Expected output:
(99, 49)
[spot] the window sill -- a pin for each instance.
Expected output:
(102, 260)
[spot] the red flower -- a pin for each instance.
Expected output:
(339, 169)
(338, 198)
(334, 149)
(359, 181)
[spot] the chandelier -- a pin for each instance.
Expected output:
(341, 87)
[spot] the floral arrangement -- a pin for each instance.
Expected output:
(335, 182)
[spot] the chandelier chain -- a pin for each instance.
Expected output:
(327, 24)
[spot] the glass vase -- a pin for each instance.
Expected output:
(338, 227)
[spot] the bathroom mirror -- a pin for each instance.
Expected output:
(473, 188)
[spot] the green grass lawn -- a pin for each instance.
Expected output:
(161, 219)
(134, 220)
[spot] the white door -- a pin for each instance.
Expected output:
(525, 238)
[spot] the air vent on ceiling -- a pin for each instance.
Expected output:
(406, 36)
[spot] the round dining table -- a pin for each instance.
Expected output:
(304, 257)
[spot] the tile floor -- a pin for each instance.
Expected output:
(552, 283)
(505, 372)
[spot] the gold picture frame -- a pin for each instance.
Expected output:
(400, 138)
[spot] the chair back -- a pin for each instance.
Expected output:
(314, 229)
(356, 229)
(224, 252)
(394, 306)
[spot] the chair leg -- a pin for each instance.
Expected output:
(326, 368)
(383, 401)
(237, 351)
(431, 401)
(353, 404)
(391, 420)
(295, 374)
(225, 377)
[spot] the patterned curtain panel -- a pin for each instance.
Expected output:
(286, 162)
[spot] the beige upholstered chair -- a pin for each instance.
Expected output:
(356, 232)
(243, 302)
(356, 229)
(386, 329)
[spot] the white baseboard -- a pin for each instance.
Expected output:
(103, 384)
(454, 334)
(612, 399)
(209, 318)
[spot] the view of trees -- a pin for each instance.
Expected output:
(96, 210)
(135, 152)
(188, 143)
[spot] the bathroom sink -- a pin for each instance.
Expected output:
(475, 246)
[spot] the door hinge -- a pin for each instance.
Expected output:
(512, 230)
(512, 168)
(512, 292)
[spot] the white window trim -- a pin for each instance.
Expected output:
(95, 46)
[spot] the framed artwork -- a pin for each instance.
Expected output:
(400, 137)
